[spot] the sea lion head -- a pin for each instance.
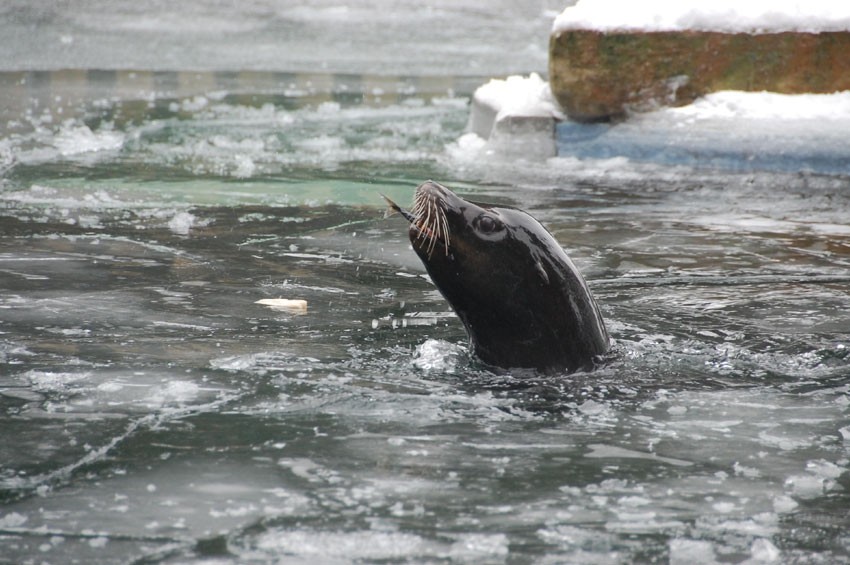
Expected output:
(521, 299)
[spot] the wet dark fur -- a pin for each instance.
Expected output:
(521, 299)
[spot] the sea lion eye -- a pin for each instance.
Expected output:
(487, 224)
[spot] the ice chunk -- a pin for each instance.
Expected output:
(355, 545)
(181, 223)
(73, 139)
(12, 520)
(515, 116)
(763, 551)
(47, 381)
(516, 96)
(691, 552)
(174, 392)
(479, 547)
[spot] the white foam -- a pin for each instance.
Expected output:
(194, 104)
(467, 149)
(7, 154)
(73, 139)
(761, 16)
(262, 140)
(66, 198)
(437, 356)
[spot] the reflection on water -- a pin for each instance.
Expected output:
(152, 410)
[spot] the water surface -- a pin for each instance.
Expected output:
(152, 412)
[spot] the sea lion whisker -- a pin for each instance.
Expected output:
(439, 228)
(426, 224)
(445, 224)
(435, 225)
(439, 220)
(430, 226)
(430, 222)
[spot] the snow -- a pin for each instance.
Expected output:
(728, 129)
(514, 117)
(732, 16)
(518, 96)
(731, 104)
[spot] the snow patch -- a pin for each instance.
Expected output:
(733, 104)
(519, 96)
(730, 16)
(514, 117)
(728, 129)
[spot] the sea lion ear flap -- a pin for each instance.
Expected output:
(541, 271)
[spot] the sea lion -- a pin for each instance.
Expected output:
(523, 302)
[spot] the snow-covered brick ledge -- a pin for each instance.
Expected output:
(610, 57)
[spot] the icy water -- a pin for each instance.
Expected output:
(152, 412)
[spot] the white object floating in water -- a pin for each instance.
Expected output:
(284, 304)
(412, 319)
